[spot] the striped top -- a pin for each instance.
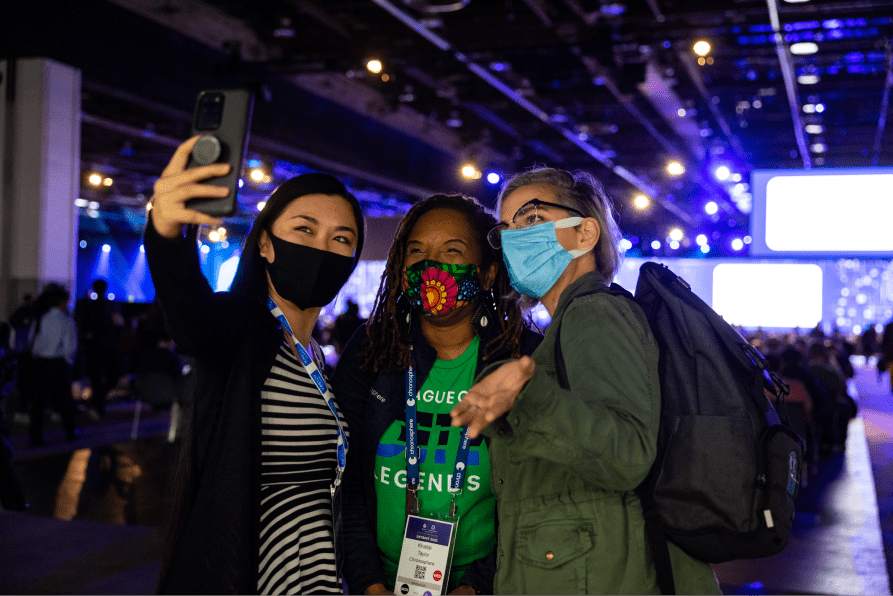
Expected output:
(298, 460)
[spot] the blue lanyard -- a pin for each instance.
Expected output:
(320, 382)
(412, 443)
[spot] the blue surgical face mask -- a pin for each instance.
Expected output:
(534, 257)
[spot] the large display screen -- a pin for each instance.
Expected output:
(768, 295)
(834, 212)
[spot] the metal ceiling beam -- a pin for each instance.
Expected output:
(790, 85)
(600, 156)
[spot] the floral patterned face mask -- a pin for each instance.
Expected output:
(434, 287)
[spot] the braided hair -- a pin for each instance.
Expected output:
(387, 346)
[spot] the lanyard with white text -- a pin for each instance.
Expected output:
(320, 382)
(412, 453)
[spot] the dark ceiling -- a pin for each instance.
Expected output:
(608, 86)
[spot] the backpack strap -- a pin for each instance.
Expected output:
(655, 537)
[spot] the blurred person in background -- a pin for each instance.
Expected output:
(98, 321)
(21, 320)
(264, 445)
(53, 347)
(885, 362)
(444, 309)
(347, 323)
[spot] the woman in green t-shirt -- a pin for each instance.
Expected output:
(445, 308)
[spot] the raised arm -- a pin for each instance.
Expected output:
(201, 322)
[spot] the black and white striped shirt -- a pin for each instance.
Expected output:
(298, 460)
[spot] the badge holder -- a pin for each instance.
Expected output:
(427, 553)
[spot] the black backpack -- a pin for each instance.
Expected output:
(727, 469)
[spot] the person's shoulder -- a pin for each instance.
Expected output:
(600, 309)
(356, 342)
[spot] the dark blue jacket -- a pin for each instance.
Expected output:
(369, 411)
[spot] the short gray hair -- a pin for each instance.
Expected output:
(581, 191)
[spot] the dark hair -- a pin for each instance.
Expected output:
(100, 286)
(250, 280)
(387, 346)
(585, 194)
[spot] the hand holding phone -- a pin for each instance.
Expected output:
(222, 121)
(177, 186)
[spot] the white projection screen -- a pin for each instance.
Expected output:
(834, 212)
(768, 295)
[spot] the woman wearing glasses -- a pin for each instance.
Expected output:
(565, 462)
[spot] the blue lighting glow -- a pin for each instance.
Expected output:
(493, 178)
(655, 244)
(106, 248)
(82, 244)
(711, 208)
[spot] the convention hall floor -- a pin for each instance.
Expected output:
(96, 506)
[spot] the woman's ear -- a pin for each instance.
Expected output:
(588, 233)
(488, 276)
(266, 247)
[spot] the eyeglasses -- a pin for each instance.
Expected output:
(528, 215)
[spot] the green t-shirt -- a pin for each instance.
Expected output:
(445, 387)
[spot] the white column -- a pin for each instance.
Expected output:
(40, 133)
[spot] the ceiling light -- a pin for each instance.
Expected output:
(106, 248)
(641, 202)
(493, 178)
(221, 231)
(815, 129)
(737, 244)
(81, 202)
(680, 112)
(468, 171)
(93, 205)
(676, 234)
(711, 208)
(213, 236)
(675, 168)
(808, 79)
(809, 108)
(818, 147)
(804, 48)
(95, 179)
(261, 205)
(257, 175)
(107, 182)
(748, 240)
(701, 48)
(625, 244)
(655, 244)
(82, 244)
(819, 107)
(722, 173)
(674, 244)
(374, 66)
(795, 1)
(701, 239)
(705, 248)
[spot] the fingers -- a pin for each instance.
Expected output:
(180, 158)
(169, 181)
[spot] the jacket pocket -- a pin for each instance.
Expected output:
(553, 556)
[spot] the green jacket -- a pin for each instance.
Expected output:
(564, 463)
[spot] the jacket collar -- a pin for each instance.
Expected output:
(585, 284)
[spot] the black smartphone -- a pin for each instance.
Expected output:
(223, 119)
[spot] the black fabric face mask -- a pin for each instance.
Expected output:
(307, 276)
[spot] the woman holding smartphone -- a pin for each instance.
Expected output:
(444, 309)
(568, 460)
(265, 446)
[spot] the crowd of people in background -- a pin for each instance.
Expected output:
(64, 363)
